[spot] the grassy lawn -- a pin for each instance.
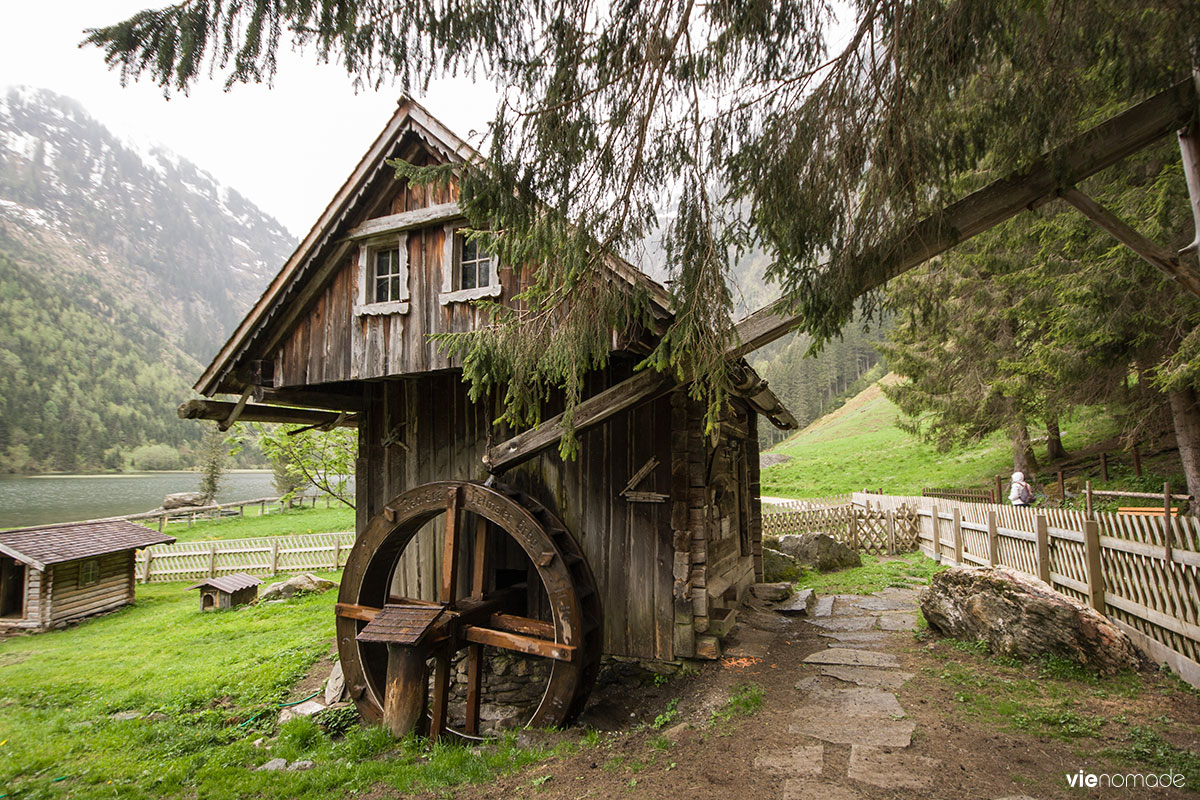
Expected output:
(859, 446)
(202, 676)
(289, 523)
(875, 574)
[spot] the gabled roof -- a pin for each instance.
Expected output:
(229, 583)
(410, 117)
(53, 544)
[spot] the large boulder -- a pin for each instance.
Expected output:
(183, 500)
(297, 584)
(1023, 618)
(779, 566)
(819, 550)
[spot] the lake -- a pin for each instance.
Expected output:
(40, 499)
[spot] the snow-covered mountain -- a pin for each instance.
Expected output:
(122, 270)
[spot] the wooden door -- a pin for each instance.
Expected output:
(12, 588)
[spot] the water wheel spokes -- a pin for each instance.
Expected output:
(386, 642)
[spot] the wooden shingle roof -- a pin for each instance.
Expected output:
(229, 583)
(71, 541)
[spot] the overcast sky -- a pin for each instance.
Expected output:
(288, 148)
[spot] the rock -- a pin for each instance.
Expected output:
(125, 716)
(1022, 618)
(804, 600)
(296, 766)
(274, 765)
(157, 716)
(297, 584)
(819, 550)
(676, 732)
(771, 459)
(183, 500)
(305, 709)
(779, 566)
(772, 592)
(335, 686)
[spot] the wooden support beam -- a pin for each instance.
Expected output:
(522, 644)
(406, 220)
(1158, 257)
(220, 410)
(355, 611)
(1084, 156)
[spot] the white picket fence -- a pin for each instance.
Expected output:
(191, 561)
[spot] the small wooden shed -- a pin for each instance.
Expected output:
(54, 574)
(227, 591)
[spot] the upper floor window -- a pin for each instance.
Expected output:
(388, 275)
(383, 275)
(469, 271)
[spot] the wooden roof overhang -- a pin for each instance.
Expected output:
(43, 545)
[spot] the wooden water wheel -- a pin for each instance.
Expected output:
(538, 599)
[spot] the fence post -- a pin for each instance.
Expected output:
(891, 523)
(262, 508)
(958, 542)
(337, 553)
(1043, 549)
(1095, 578)
(1168, 524)
(146, 565)
(161, 519)
(212, 561)
(274, 556)
(937, 533)
(1103, 465)
(853, 528)
(1088, 489)
(993, 540)
(999, 491)
(1062, 487)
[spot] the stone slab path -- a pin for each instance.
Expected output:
(850, 735)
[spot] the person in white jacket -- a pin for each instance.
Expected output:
(1020, 494)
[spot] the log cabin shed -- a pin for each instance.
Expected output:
(640, 547)
(55, 574)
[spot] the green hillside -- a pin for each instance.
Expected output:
(858, 446)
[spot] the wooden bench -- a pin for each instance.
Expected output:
(1146, 511)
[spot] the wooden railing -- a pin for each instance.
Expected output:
(963, 495)
(868, 530)
(191, 513)
(190, 561)
(1142, 572)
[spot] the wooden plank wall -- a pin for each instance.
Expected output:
(70, 601)
(331, 344)
(628, 545)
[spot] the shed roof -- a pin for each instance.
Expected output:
(229, 583)
(71, 541)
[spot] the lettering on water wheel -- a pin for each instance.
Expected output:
(537, 598)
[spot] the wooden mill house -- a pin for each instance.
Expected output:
(665, 517)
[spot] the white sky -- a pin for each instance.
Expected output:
(287, 148)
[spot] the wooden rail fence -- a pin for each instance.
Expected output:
(868, 530)
(964, 495)
(191, 561)
(191, 513)
(1142, 572)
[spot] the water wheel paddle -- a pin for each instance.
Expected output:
(538, 599)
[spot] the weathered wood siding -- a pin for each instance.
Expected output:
(628, 545)
(113, 589)
(331, 344)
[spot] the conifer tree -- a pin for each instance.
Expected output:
(823, 152)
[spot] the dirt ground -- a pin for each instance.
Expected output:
(983, 728)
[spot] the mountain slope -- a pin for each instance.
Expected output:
(120, 274)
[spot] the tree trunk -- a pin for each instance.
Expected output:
(1023, 457)
(1054, 445)
(1185, 413)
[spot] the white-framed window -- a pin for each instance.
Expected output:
(383, 275)
(89, 572)
(469, 271)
